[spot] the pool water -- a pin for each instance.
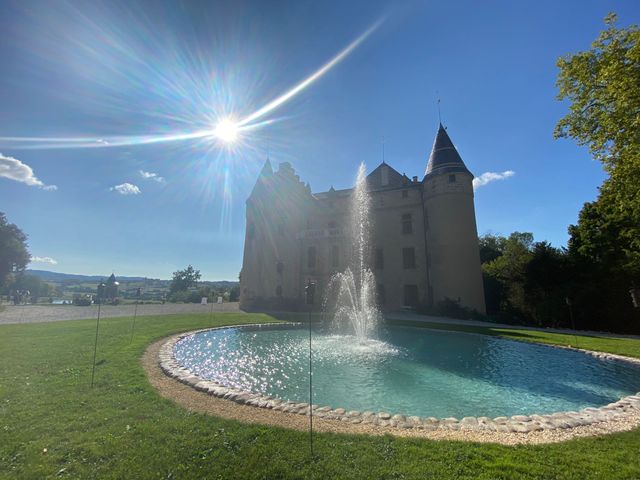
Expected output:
(407, 370)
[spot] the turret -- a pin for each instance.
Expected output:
(450, 227)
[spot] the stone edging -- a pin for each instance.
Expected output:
(625, 407)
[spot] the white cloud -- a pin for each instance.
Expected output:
(14, 169)
(151, 176)
(48, 260)
(488, 177)
(126, 189)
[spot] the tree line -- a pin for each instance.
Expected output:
(597, 277)
(534, 283)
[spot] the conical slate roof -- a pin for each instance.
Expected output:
(444, 157)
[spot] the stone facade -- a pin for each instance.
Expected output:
(423, 245)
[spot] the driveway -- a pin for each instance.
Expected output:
(53, 313)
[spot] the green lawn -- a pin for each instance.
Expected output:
(123, 429)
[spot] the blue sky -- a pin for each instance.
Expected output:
(100, 72)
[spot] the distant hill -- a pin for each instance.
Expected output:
(48, 276)
(57, 277)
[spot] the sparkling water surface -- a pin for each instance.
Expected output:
(408, 370)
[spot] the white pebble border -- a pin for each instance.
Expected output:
(620, 410)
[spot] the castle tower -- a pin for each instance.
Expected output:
(453, 257)
(276, 211)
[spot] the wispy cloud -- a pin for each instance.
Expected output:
(151, 176)
(14, 169)
(488, 177)
(126, 189)
(48, 260)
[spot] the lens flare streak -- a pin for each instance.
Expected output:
(225, 131)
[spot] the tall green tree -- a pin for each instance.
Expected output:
(14, 255)
(509, 272)
(547, 285)
(602, 85)
(184, 279)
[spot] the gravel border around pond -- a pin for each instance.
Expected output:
(188, 390)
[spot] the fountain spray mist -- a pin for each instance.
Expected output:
(353, 290)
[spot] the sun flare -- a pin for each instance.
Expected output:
(227, 131)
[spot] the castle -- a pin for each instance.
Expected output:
(424, 242)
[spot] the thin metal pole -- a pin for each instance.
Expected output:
(95, 348)
(573, 325)
(211, 311)
(310, 391)
(133, 326)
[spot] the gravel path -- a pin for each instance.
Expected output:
(53, 313)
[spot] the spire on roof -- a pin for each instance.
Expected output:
(266, 169)
(444, 157)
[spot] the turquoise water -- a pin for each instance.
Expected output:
(408, 370)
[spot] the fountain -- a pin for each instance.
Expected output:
(351, 294)
(413, 371)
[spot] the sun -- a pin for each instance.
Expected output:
(227, 131)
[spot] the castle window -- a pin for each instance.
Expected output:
(409, 257)
(381, 295)
(279, 291)
(379, 260)
(410, 295)
(311, 257)
(452, 178)
(335, 256)
(405, 193)
(407, 223)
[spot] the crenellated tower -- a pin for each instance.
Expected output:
(275, 214)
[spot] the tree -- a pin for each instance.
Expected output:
(234, 293)
(184, 279)
(546, 285)
(491, 247)
(603, 86)
(14, 255)
(35, 285)
(507, 272)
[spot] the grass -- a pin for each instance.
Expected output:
(123, 429)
